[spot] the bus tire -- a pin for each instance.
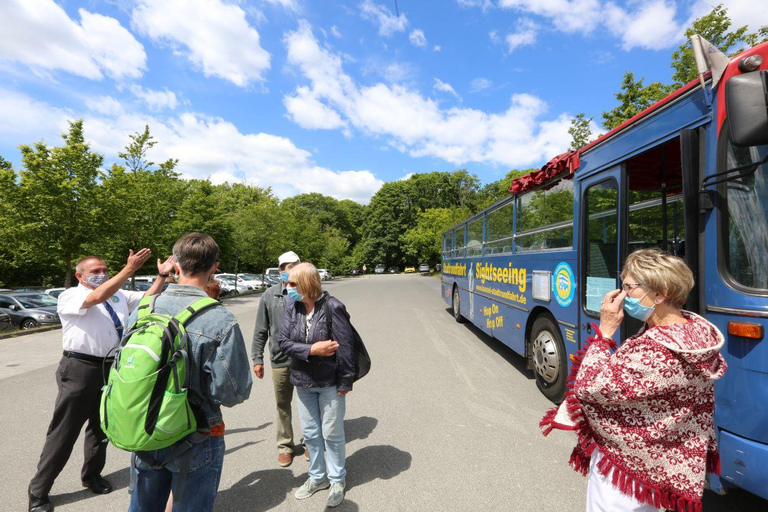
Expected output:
(456, 306)
(550, 364)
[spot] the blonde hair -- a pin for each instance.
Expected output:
(661, 273)
(306, 277)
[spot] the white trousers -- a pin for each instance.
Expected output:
(603, 496)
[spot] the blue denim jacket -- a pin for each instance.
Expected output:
(219, 370)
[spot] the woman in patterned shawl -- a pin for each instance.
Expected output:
(644, 414)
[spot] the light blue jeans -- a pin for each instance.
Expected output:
(322, 421)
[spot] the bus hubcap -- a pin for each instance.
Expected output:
(545, 358)
(456, 302)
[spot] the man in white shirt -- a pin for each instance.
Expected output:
(93, 316)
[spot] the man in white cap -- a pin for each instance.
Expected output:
(268, 318)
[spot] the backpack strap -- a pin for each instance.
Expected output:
(195, 308)
(146, 307)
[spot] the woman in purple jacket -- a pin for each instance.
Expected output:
(322, 370)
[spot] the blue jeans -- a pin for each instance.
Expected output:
(153, 486)
(322, 420)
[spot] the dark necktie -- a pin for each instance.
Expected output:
(115, 319)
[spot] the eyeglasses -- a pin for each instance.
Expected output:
(291, 283)
(628, 287)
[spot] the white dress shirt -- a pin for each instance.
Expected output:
(91, 330)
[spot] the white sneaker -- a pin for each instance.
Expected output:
(309, 488)
(336, 496)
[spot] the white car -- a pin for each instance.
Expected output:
(227, 284)
(244, 281)
(324, 274)
(54, 292)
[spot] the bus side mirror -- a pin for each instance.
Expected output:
(746, 102)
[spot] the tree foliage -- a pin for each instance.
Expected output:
(715, 27)
(633, 98)
(580, 132)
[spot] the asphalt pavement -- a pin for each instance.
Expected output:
(447, 420)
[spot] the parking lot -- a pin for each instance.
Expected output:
(447, 420)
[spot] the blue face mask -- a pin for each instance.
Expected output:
(294, 294)
(284, 276)
(636, 310)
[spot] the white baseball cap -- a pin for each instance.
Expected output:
(287, 257)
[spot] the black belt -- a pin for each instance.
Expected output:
(89, 358)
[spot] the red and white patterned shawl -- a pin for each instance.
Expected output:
(649, 408)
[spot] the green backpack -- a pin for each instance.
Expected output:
(144, 405)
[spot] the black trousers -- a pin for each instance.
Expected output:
(80, 384)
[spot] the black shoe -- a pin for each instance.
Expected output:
(98, 485)
(37, 504)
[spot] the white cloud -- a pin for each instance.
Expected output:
(215, 36)
(525, 35)
(335, 32)
(156, 100)
(398, 72)
(417, 38)
(291, 5)
(40, 34)
(494, 36)
(106, 105)
(417, 125)
(441, 86)
(483, 4)
(651, 26)
(479, 84)
(573, 16)
(306, 111)
(387, 21)
(437, 48)
(741, 12)
(205, 146)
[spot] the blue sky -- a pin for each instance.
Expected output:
(330, 96)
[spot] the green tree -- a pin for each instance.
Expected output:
(138, 204)
(57, 187)
(633, 99)
(580, 131)
(423, 242)
(497, 190)
(715, 27)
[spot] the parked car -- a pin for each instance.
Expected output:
(324, 274)
(54, 292)
(424, 268)
(244, 281)
(380, 269)
(5, 321)
(139, 286)
(255, 280)
(30, 309)
(272, 280)
(36, 289)
(409, 270)
(273, 272)
(227, 285)
(355, 272)
(392, 270)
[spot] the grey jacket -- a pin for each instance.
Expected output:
(268, 318)
(219, 370)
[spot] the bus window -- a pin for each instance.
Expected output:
(601, 243)
(499, 229)
(655, 199)
(475, 236)
(545, 218)
(746, 255)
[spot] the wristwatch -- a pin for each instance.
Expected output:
(164, 275)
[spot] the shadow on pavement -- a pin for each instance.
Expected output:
(374, 462)
(509, 355)
(248, 429)
(735, 501)
(359, 428)
(118, 479)
(244, 445)
(259, 491)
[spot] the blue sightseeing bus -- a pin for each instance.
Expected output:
(689, 175)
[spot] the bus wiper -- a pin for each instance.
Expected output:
(741, 172)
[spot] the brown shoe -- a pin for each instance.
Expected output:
(306, 453)
(284, 459)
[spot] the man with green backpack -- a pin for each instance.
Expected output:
(181, 359)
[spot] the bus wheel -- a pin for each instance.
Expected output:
(549, 358)
(456, 306)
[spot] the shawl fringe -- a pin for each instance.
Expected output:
(642, 491)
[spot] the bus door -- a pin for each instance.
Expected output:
(601, 234)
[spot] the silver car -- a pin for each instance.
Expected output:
(30, 309)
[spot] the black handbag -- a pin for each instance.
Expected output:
(362, 359)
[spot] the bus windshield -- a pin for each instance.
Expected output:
(747, 219)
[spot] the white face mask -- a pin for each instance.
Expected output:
(96, 280)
